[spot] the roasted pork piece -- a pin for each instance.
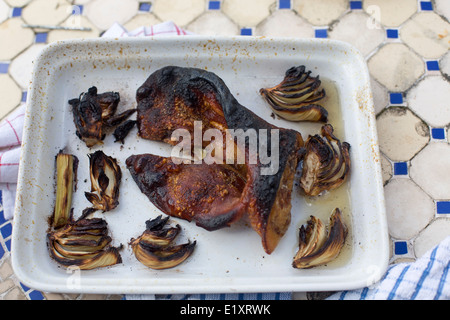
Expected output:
(175, 98)
(209, 194)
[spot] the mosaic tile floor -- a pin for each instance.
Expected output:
(406, 44)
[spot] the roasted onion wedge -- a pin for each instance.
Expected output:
(94, 113)
(162, 257)
(90, 111)
(294, 98)
(66, 166)
(83, 243)
(155, 247)
(105, 176)
(326, 162)
(316, 245)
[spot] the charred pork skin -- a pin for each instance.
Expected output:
(175, 97)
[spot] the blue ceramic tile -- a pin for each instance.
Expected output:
(426, 5)
(6, 230)
(214, 5)
(8, 245)
(16, 12)
(77, 10)
(24, 96)
(438, 133)
(145, 6)
(321, 33)
(392, 33)
(355, 5)
(2, 251)
(396, 98)
(400, 168)
(246, 31)
(284, 4)
(443, 207)
(41, 37)
(2, 216)
(24, 287)
(433, 65)
(400, 247)
(4, 67)
(36, 295)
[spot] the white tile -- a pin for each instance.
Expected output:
(181, 12)
(17, 38)
(104, 13)
(396, 67)
(390, 13)
(320, 12)
(430, 169)
(285, 23)
(430, 100)
(408, 208)
(22, 66)
(213, 23)
(353, 28)
(432, 235)
(401, 134)
(248, 13)
(4, 11)
(427, 34)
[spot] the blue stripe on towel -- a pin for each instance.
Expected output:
(425, 273)
(442, 282)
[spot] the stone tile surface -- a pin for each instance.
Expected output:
(4, 11)
(396, 67)
(285, 23)
(17, 38)
(239, 10)
(434, 233)
(10, 93)
(427, 34)
(390, 13)
(429, 99)
(430, 169)
(405, 201)
(104, 13)
(320, 12)
(182, 12)
(46, 12)
(22, 67)
(214, 23)
(77, 21)
(401, 134)
(353, 28)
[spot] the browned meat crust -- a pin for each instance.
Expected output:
(174, 97)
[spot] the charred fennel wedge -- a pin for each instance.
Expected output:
(155, 247)
(317, 246)
(295, 98)
(66, 166)
(83, 243)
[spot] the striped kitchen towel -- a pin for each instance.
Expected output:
(212, 296)
(10, 145)
(425, 279)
